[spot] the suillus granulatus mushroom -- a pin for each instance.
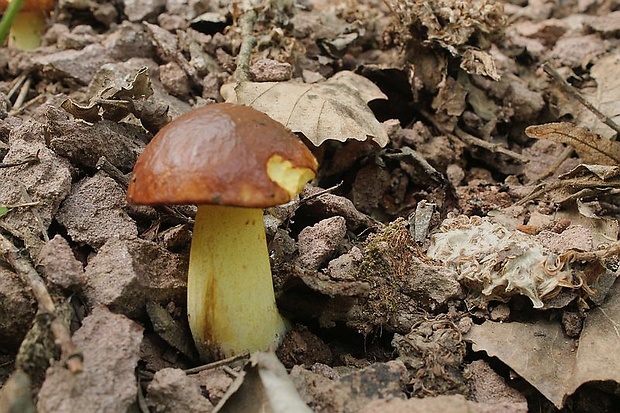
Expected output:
(232, 161)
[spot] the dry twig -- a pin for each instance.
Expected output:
(575, 185)
(491, 147)
(322, 192)
(550, 170)
(572, 92)
(16, 85)
(35, 213)
(218, 363)
(246, 24)
(70, 354)
(469, 139)
(23, 92)
(31, 102)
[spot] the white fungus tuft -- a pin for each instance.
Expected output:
(500, 262)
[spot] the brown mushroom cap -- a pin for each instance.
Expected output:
(30, 5)
(217, 154)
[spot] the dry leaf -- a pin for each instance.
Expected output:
(605, 96)
(538, 352)
(112, 100)
(170, 330)
(602, 172)
(550, 361)
(602, 230)
(450, 98)
(584, 182)
(482, 104)
(335, 109)
(590, 147)
(477, 62)
(117, 98)
(263, 386)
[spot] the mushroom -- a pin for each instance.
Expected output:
(232, 161)
(27, 21)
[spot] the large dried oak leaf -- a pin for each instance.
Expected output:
(335, 109)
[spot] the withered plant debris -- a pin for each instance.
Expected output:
(433, 351)
(591, 148)
(263, 386)
(603, 96)
(402, 282)
(50, 323)
(335, 109)
(117, 99)
(549, 360)
(170, 330)
(415, 110)
(498, 263)
(581, 184)
(4, 209)
(465, 29)
(601, 100)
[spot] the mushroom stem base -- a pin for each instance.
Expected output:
(231, 302)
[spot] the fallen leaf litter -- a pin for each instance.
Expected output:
(413, 103)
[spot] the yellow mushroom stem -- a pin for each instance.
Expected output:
(230, 297)
(26, 29)
(231, 304)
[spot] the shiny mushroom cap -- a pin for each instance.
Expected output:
(30, 5)
(223, 154)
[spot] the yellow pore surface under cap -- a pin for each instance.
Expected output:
(287, 176)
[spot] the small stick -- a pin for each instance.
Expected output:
(246, 23)
(492, 147)
(216, 364)
(106, 166)
(23, 92)
(323, 192)
(37, 216)
(17, 83)
(25, 106)
(572, 92)
(70, 353)
(21, 205)
(575, 184)
(230, 372)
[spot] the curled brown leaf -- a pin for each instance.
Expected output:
(590, 147)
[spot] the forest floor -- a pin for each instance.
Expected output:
(457, 251)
